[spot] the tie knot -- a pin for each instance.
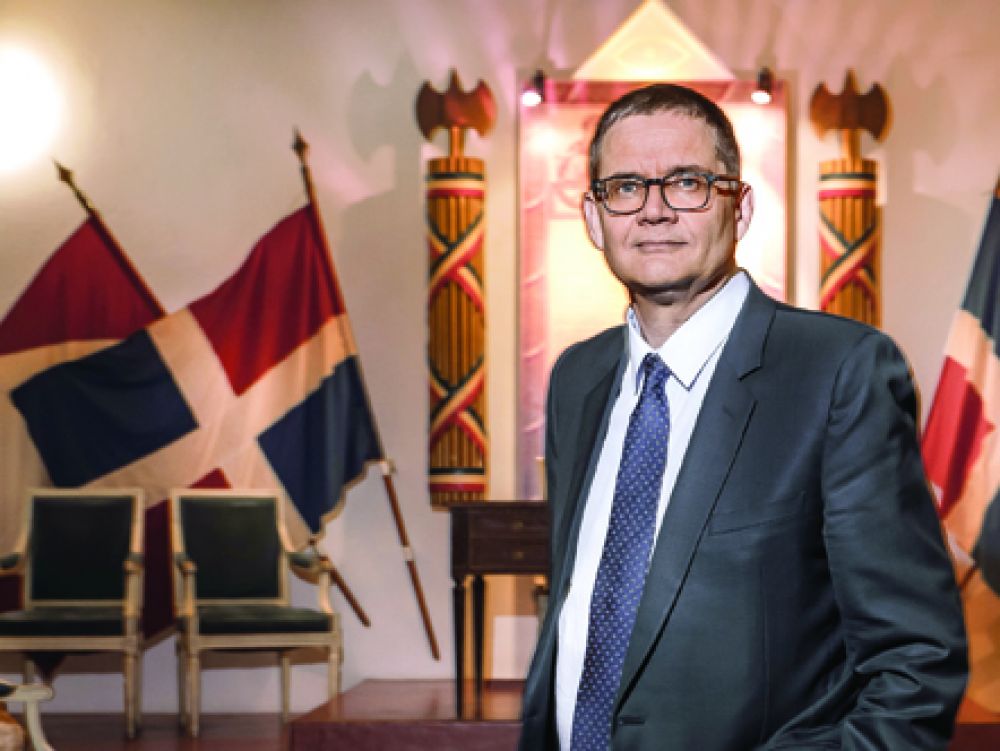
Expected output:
(655, 370)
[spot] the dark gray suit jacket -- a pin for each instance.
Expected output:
(799, 595)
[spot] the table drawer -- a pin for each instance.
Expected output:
(504, 555)
(520, 526)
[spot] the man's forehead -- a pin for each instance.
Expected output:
(662, 125)
(670, 139)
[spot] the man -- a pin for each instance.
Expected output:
(744, 551)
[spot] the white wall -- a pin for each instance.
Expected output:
(179, 119)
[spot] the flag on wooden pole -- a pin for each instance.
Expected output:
(86, 296)
(256, 384)
(256, 381)
(961, 450)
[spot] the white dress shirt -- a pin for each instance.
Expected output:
(691, 353)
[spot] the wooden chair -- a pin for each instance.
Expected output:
(231, 581)
(80, 556)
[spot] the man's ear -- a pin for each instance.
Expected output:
(592, 217)
(744, 211)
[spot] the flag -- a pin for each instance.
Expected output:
(86, 296)
(256, 384)
(961, 450)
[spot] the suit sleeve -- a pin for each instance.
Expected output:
(551, 419)
(552, 489)
(892, 577)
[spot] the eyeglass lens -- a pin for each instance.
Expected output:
(628, 194)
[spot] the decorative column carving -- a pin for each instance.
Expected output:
(456, 311)
(850, 226)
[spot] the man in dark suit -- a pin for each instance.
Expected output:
(744, 551)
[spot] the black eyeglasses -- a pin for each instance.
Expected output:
(681, 191)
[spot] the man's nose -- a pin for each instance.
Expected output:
(656, 209)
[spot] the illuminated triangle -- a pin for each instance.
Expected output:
(653, 45)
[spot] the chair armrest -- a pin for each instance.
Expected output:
(133, 566)
(302, 559)
(185, 564)
(134, 563)
(11, 564)
(317, 569)
(186, 608)
(309, 564)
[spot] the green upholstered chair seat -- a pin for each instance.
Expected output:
(63, 621)
(260, 619)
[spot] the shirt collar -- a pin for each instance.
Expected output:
(690, 347)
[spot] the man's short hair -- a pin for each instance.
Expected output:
(669, 97)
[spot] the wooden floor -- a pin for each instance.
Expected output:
(101, 732)
(978, 730)
(412, 716)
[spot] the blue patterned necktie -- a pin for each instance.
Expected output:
(622, 571)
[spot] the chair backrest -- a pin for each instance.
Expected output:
(234, 539)
(77, 544)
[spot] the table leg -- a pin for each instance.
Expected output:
(478, 618)
(458, 608)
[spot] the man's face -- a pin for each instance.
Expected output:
(658, 253)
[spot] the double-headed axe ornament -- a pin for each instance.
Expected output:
(850, 112)
(456, 111)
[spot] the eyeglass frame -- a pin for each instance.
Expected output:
(597, 188)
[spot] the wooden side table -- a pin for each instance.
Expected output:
(491, 537)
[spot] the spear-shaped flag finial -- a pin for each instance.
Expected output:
(300, 147)
(66, 175)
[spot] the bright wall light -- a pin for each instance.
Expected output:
(31, 105)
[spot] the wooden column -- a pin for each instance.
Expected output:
(850, 221)
(458, 443)
(850, 231)
(456, 351)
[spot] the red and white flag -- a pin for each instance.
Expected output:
(86, 296)
(961, 450)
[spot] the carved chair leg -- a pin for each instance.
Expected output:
(333, 670)
(285, 683)
(182, 698)
(129, 692)
(137, 692)
(194, 693)
(334, 658)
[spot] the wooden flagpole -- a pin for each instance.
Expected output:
(98, 222)
(301, 148)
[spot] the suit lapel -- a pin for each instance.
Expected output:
(714, 444)
(597, 404)
(592, 386)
